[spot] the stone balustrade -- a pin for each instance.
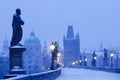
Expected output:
(108, 69)
(49, 75)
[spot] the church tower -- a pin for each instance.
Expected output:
(71, 45)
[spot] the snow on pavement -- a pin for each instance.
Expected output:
(85, 74)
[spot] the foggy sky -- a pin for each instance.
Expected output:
(96, 20)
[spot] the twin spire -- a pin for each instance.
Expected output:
(70, 33)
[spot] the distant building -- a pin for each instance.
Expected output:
(71, 45)
(116, 58)
(4, 66)
(32, 57)
(5, 49)
(99, 60)
(46, 58)
(4, 59)
(89, 56)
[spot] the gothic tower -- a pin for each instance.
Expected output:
(71, 45)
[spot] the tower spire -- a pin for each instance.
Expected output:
(77, 36)
(70, 33)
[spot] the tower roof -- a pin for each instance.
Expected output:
(70, 33)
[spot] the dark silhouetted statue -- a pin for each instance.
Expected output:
(105, 59)
(105, 53)
(17, 29)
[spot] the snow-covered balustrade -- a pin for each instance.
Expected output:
(49, 75)
(87, 74)
(108, 69)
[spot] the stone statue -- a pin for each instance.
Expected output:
(17, 29)
(105, 53)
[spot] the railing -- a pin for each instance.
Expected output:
(49, 75)
(108, 69)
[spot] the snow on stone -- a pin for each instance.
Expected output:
(85, 74)
(17, 46)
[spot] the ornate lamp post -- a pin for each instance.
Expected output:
(80, 61)
(111, 56)
(55, 55)
(58, 58)
(73, 63)
(52, 48)
(94, 59)
(85, 61)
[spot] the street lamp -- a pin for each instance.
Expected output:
(85, 61)
(52, 47)
(53, 51)
(111, 55)
(80, 61)
(55, 55)
(58, 58)
(73, 63)
(58, 54)
(76, 62)
(95, 57)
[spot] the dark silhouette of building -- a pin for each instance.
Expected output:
(71, 45)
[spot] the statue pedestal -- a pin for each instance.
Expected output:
(16, 61)
(17, 70)
(105, 62)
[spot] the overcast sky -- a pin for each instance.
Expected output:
(96, 20)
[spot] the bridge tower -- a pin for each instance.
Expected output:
(71, 45)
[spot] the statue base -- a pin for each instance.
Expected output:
(16, 61)
(17, 70)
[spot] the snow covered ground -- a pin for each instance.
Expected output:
(85, 74)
